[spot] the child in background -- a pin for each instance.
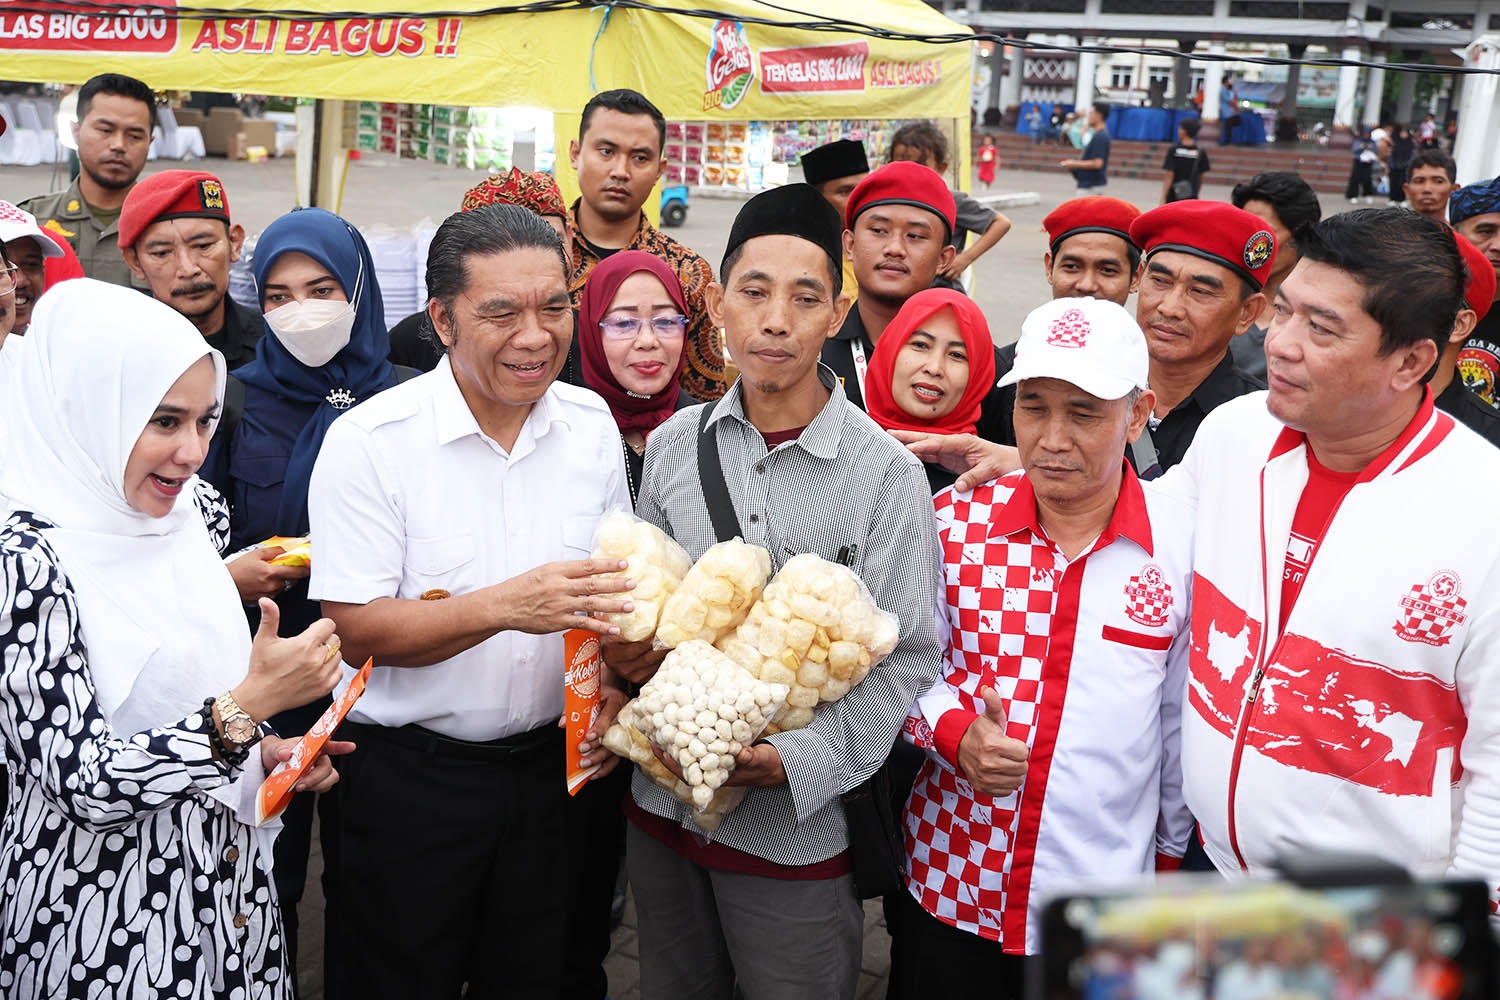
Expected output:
(923, 142)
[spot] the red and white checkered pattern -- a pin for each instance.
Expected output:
(1001, 595)
(1071, 329)
(1148, 597)
(1428, 618)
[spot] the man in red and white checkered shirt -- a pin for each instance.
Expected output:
(1052, 738)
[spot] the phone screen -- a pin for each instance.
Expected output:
(1197, 938)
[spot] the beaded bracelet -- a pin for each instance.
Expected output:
(234, 758)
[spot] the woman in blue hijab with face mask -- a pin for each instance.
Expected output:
(325, 351)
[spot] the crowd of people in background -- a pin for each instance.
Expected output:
(1188, 611)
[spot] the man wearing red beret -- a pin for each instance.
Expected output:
(176, 236)
(1089, 255)
(1449, 393)
(1089, 252)
(1200, 287)
(897, 224)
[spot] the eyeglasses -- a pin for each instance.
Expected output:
(626, 327)
(8, 279)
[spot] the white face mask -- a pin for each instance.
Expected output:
(313, 330)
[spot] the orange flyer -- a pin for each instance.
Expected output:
(277, 790)
(581, 699)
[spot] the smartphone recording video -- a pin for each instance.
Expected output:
(1194, 938)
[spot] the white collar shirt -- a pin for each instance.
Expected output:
(409, 497)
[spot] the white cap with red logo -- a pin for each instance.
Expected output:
(15, 224)
(1093, 343)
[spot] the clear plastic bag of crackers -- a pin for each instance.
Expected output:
(700, 710)
(657, 565)
(815, 629)
(715, 595)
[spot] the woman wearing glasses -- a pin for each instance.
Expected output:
(631, 320)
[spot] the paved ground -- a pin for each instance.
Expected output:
(384, 191)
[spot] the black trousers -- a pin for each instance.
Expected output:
(596, 842)
(1361, 180)
(931, 959)
(1398, 177)
(294, 844)
(453, 866)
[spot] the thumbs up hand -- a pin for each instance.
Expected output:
(994, 763)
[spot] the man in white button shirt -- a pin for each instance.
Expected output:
(454, 516)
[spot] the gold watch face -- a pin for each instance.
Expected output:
(241, 730)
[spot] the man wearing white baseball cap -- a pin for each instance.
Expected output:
(1052, 738)
(26, 248)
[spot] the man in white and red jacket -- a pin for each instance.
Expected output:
(1052, 737)
(1344, 688)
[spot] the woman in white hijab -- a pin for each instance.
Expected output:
(129, 862)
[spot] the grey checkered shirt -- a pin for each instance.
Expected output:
(843, 482)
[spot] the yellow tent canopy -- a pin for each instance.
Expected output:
(755, 62)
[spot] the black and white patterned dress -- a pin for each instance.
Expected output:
(121, 877)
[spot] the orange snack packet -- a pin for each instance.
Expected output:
(295, 551)
(276, 791)
(581, 683)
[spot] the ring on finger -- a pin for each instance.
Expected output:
(332, 650)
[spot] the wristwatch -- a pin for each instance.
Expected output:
(240, 731)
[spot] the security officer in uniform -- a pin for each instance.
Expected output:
(176, 235)
(1204, 266)
(116, 115)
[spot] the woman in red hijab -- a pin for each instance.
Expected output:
(631, 322)
(931, 369)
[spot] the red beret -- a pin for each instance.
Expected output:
(903, 183)
(171, 194)
(1090, 214)
(1479, 291)
(1213, 230)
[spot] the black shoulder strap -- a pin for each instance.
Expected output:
(711, 473)
(234, 407)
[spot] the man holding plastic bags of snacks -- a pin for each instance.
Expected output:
(454, 515)
(804, 472)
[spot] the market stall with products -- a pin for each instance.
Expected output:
(747, 86)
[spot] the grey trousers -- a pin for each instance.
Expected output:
(704, 932)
